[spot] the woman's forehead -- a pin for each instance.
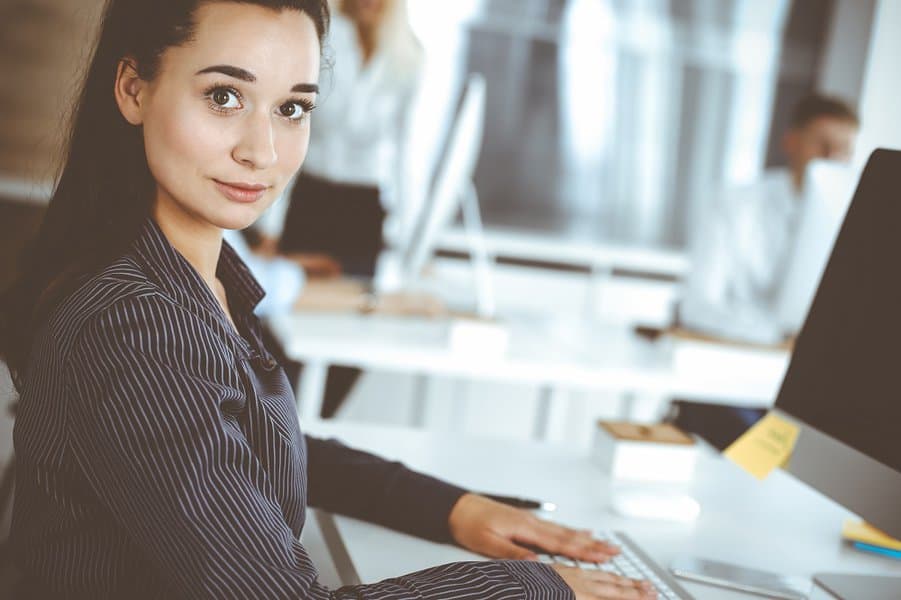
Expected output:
(270, 43)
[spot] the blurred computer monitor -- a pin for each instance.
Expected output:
(453, 190)
(843, 386)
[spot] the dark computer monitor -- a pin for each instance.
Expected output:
(843, 385)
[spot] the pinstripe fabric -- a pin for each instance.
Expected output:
(160, 456)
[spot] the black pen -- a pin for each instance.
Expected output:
(522, 502)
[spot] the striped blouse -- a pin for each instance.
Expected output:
(159, 455)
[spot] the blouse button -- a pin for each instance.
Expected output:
(269, 364)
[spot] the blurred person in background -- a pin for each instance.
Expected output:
(741, 256)
(741, 252)
(351, 188)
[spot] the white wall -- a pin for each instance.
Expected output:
(880, 108)
(847, 49)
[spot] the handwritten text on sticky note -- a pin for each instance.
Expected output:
(765, 446)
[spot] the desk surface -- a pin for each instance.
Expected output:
(539, 351)
(778, 524)
(543, 350)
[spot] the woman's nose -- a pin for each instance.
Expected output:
(256, 147)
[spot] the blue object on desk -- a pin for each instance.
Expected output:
(877, 550)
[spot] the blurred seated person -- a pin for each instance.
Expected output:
(740, 256)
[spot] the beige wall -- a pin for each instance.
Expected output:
(43, 45)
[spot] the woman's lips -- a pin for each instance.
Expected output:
(241, 192)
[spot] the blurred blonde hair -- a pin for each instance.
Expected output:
(395, 37)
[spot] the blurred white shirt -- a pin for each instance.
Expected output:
(359, 128)
(282, 279)
(739, 262)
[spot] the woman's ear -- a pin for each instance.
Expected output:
(129, 91)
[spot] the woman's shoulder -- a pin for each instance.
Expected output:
(121, 285)
(121, 279)
(123, 318)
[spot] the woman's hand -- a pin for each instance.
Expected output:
(500, 531)
(598, 585)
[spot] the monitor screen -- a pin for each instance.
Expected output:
(845, 375)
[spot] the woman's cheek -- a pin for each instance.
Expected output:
(184, 141)
(201, 138)
(293, 150)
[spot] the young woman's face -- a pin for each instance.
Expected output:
(226, 121)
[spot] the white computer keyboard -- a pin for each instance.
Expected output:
(632, 562)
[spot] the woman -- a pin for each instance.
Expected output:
(158, 451)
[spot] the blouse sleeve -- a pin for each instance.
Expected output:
(357, 484)
(152, 425)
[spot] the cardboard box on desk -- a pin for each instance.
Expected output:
(661, 452)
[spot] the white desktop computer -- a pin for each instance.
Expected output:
(453, 190)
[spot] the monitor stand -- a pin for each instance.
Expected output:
(841, 586)
(479, 254)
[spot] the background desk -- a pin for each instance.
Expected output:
(778, 524)
(555, 354)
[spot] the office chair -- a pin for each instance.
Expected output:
(7, 488)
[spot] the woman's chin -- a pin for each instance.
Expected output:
(238, 220)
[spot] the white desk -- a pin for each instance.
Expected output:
(538, 353)
(778, 524)
(554, 354)
(514, 243)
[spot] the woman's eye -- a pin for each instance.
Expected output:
(293, 111)
(225, 98)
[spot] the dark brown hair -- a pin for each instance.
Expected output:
(105, 188)
(815, 106)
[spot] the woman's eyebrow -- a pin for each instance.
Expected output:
(245, 75)
(236, 72)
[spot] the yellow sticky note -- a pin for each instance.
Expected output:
(864, 532)
(765, 446)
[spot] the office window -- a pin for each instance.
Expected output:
(616, 120)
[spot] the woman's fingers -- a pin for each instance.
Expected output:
(500, 547)
(599, 585)
(578, 544)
